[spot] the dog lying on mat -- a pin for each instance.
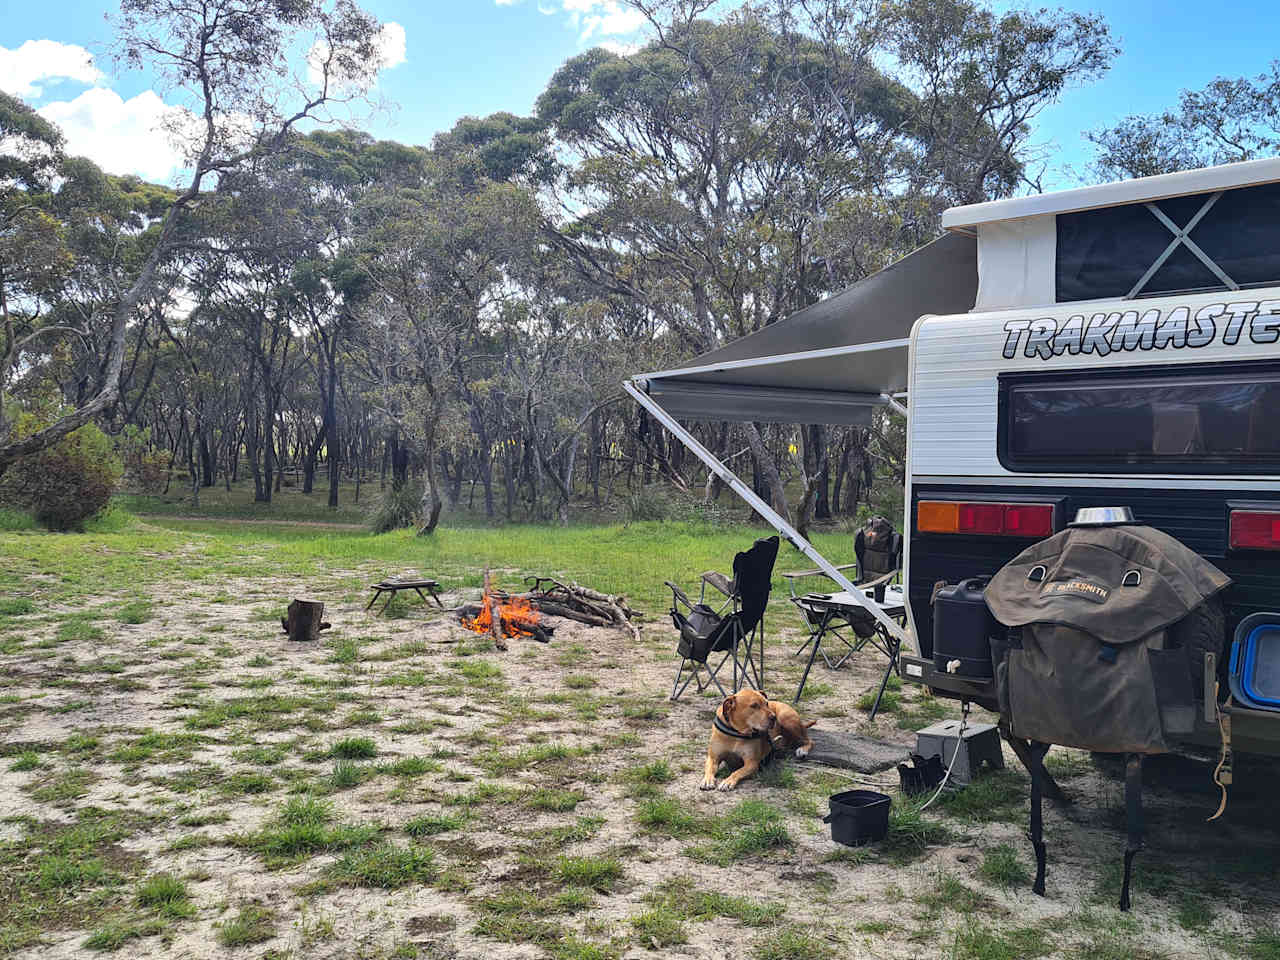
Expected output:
(749, 726)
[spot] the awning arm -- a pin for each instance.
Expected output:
(788, 532)
(894, 404)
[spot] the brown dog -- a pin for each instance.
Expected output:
(748, 726)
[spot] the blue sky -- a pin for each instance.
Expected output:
(449, 59)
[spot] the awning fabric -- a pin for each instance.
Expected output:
(830, 362)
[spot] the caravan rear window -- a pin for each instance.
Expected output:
(1168, 421)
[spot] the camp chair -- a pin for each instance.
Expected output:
(878, 550)
(736, 629)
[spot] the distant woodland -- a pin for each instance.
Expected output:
(450, 321)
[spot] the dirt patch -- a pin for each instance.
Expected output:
(402, 789)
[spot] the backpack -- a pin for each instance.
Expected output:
(1090, 659)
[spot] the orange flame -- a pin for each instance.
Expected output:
(515, 616)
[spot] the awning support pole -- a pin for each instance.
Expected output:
(895, 405)
(775, 520)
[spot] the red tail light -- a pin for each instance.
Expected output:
(1255, 530)
(985, 519)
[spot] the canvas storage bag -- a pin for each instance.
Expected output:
(1088, 664)
(1087, 661)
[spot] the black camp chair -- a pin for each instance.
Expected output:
(736, 629)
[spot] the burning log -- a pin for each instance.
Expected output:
(471, 614)
(503, 615)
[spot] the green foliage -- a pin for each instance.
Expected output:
(397, 508)
(66, 483)
(354, 748)
(652, 503)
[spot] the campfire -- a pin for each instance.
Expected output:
(503, 615)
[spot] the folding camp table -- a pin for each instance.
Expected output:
(835, 612)
(393, 586)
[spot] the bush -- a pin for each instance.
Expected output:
(145, 469)
(397, 508)
(64, 484)
(649, 503)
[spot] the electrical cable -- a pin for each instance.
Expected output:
(964, 719)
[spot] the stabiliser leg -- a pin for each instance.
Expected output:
(1133, 817)
(1038, 773)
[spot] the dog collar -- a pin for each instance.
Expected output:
(730, 731)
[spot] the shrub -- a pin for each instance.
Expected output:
(64, 484)
(145, 469)
(397, 508)
(649, 503)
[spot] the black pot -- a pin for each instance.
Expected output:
(858, 816)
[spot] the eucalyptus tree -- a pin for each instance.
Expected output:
(238, 70)
(706, 172)
(33, 251)
(1229, 119)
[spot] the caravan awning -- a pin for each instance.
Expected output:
(831, 362)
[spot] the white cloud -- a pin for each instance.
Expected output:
(24, 71)
(620, 48)
(121, 136)
(594, 18)
(391, 45)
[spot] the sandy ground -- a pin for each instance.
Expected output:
(404, 687)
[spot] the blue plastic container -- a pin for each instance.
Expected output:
(1255, 661)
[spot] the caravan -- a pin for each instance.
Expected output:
(1124, 351)
(1108, 347)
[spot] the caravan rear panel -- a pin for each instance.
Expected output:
(1170, 406)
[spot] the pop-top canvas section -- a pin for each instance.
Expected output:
(1194, 231)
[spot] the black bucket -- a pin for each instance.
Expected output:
(858, 816)
(922, 776)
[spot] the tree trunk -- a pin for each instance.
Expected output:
(309, 460)
(207, 463)
(304, 620)
(768, 470)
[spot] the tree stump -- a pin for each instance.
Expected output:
(304, 620)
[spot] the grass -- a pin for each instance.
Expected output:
(166, 894)
(794, 943)
(659, 929)
(134, 611)
(354, 748)
(751, 829)
(910, 831)
(1002, 867)
(252, 924)
(595, 873)
(978, 942)
(995, 796)
(666, 815)
(304, 828)
(430, 824)
(484, 760)
(681, 896)
(386, 866)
